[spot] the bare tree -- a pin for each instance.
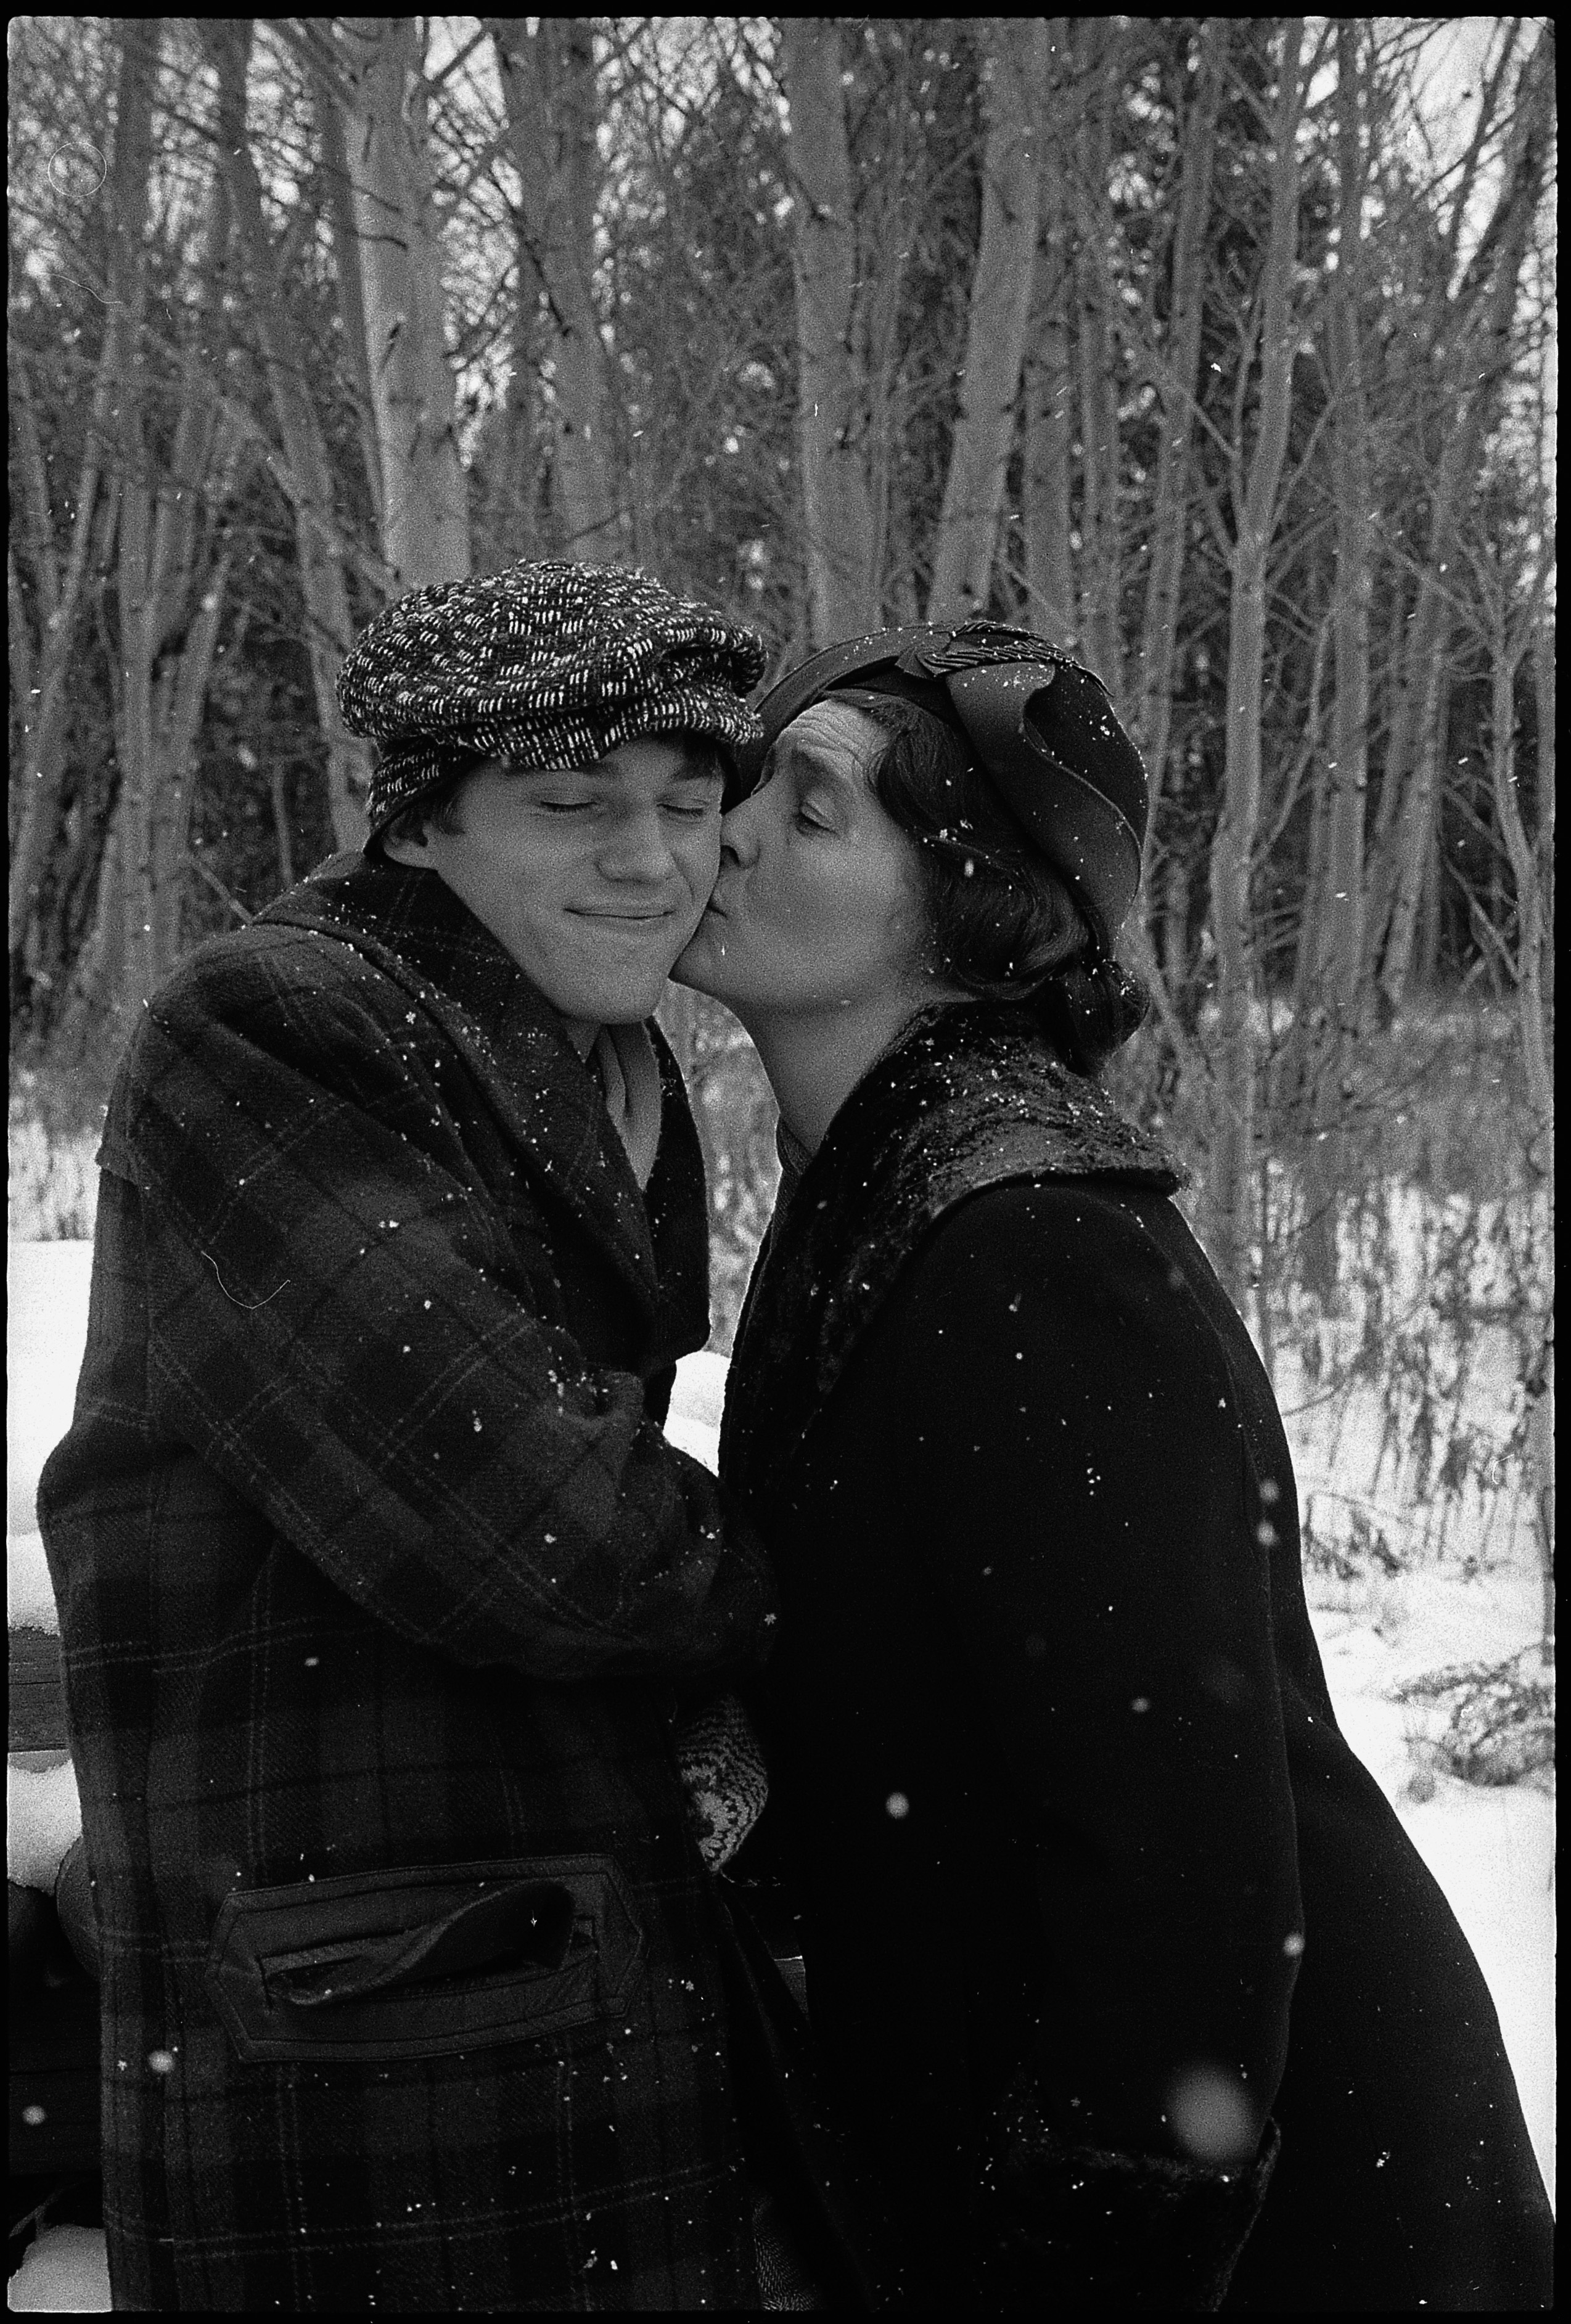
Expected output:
(549, 87)
(998, 311)
(172, 570)
(838, 515)
(1098, 47)
(1048, 413)
(329, 627)
(1329, 986)
(1480, 354)
(44, 695)
(1256, 476)
(1177, 370)
(376, 72)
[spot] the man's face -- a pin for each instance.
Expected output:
(593, 878)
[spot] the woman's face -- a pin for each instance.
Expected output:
(817, 907)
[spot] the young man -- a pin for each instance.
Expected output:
(376, 1576)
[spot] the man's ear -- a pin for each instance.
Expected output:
(409, 847)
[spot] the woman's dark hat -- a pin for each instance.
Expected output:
(548, 664)
(1040, 726)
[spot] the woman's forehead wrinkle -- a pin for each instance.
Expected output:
(816, 758)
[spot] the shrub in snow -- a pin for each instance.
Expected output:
(52, 1180)
(1499, 1717)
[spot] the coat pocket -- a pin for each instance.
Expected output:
(422, 1961)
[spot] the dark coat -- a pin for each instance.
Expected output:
(1083, 1861)
(376, 1577)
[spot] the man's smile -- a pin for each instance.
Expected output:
(615, 912)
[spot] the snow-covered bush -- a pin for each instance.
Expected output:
(51, 1178)
(1498, 1718)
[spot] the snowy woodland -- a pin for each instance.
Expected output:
(1219, 349)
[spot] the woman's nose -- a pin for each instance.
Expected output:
(739, 833)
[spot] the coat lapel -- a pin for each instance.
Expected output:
(411, 927)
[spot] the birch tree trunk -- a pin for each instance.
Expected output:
(1530, 860)
(106, 959)
(40, 686)
(1333, 929)
(1255, 484)
(329, 625)
(548, 86)
(171, 578)
(1099, 45)
(836, 509)
(349, 275)
(1049, 387)
(1014, 81)
(1177, 379)
(425, 519)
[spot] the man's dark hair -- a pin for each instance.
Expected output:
(439, 809)
(1002, 924)
(434, 811)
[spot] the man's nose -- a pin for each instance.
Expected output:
(637, 846)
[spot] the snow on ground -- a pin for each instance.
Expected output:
(1491, 1851)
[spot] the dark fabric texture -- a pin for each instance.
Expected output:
(550, 663)
(377, 1583)
(1052, 1761)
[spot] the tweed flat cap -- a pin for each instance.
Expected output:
(548, 664)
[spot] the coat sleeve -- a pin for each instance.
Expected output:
(340, 1326)
(1075, 1476)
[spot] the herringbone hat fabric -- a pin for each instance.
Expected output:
(548, 664)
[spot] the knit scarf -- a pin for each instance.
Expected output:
(624, 1057)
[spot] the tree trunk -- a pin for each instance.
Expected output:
(43, 716)
(1529, 865)
(998, 313)
(329, 625)
(350, 276)
(1255, 488)
(1098, 45)
(837, 512)
(1048, 391)
(548, 86)
(1332, 936)
(424, 512)
(1178, 377)
(1481, 361)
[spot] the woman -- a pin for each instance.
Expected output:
(1131, 1988)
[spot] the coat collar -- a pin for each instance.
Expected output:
(969, 1097)
(412, 927)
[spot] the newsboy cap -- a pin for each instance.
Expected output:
(548, 664)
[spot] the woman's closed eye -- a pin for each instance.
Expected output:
(814, 813)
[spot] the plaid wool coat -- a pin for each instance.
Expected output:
(377, 1579)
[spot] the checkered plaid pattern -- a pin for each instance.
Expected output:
(370, 1555)
(546, 665)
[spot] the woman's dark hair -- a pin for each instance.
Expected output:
(1004, 924)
